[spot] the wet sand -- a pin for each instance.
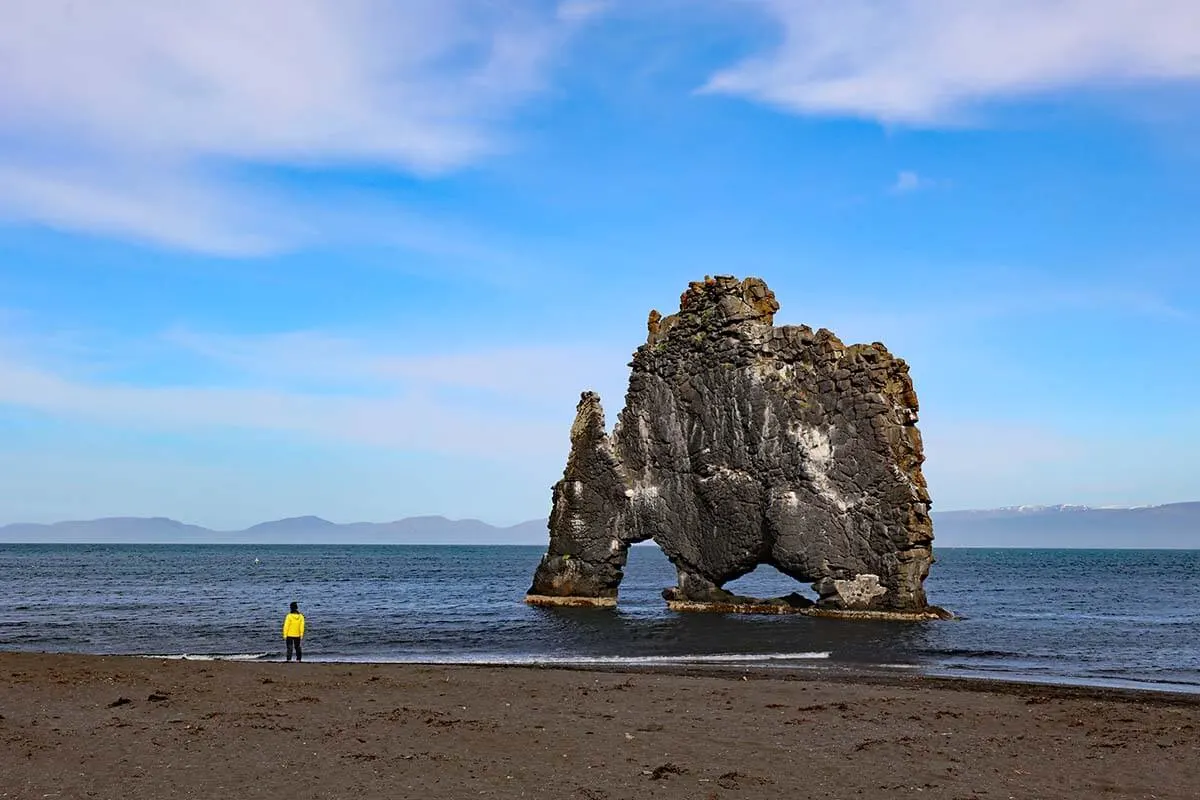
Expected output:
(109, 727)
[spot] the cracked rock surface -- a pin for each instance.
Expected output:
(742, 444)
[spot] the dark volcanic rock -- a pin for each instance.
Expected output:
(586, 558)
(743, 444)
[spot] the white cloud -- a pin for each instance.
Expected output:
(408, 420)
(934, 62)
(180, 209)
(576, 10)
(477, 433)
(909, 181)
(540, 376)
(495, 404)
(132, 119)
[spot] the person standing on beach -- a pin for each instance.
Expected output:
(293, 631)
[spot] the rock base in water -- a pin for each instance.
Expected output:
(929, 613)
(571, 601)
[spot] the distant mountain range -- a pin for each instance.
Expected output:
(295, 530)
(1176, 525)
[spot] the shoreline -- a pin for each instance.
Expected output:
(816, 668)
(130, 726)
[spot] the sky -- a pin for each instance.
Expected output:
(357, 258)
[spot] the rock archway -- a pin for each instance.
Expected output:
(743, 444)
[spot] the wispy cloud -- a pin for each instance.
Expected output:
(935, 62)
(179, 209)
(909, 181)
(488, 404)
(124, 118)
(541, 376)
(411, 420)
(576, 10)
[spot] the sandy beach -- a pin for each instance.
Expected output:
(113, 727)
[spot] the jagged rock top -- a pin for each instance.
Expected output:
(714, 304)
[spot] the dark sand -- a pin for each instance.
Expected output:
(88, 726)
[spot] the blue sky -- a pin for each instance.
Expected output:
(358, 258)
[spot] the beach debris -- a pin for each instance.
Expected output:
(157, 697)
(120, 701)
(742, 444)
(734, 780)
(663, 771)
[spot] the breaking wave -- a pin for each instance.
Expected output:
(211, 656)
(583, 660)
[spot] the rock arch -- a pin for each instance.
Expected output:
(742, 444)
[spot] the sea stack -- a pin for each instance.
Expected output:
(742, 444)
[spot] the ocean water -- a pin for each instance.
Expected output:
(1099, 617)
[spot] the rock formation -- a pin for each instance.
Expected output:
(743, 444)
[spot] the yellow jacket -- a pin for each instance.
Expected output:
(293, 625)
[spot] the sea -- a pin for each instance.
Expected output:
(1113, 618)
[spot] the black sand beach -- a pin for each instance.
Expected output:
(116, 727)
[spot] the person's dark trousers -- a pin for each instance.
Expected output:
(293, 642)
